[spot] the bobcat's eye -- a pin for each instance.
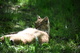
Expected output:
(39, 18)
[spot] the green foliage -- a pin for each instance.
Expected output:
(64, 16)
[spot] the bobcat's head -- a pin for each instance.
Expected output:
(42, 23)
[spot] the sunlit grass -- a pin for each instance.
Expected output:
(22, 2)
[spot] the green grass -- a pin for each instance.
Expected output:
(64, 19)
(52, 47)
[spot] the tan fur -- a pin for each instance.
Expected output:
(42, 24)
(28, 35)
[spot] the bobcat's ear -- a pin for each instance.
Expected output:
(38, 17)
(46, 18)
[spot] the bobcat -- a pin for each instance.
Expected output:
(31, 34)
(42, 24)
(27, 36)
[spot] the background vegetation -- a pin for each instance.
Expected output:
(64, 16)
